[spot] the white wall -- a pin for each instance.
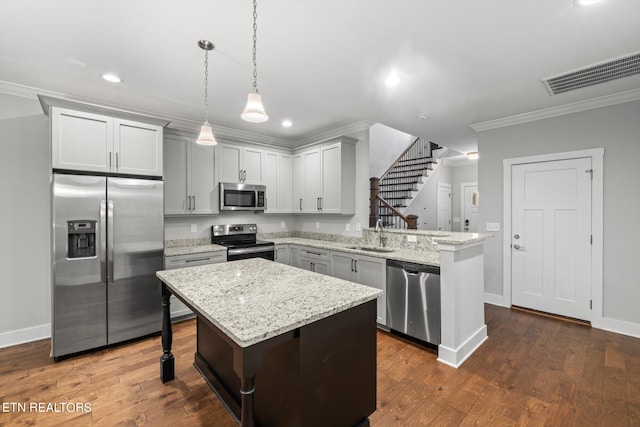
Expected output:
(460, 175)
(386, 144)
(25, 260)
(617, 129)
(425, 203)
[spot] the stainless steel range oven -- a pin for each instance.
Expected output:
(241, 242)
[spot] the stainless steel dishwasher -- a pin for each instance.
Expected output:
(413, 300)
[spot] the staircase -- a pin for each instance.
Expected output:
(397, 187)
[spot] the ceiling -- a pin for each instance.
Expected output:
(321, 63)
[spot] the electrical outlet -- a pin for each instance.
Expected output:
(347, 227)
(282, 224)
(194, 228)
(493, 226)
(411, 238)
(317, 225)
(358, 226)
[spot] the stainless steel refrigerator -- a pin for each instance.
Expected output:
(108, 240)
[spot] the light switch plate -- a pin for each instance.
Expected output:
(317, 225)
(282, 224)
(493, 226)
(456, 219)
(194, 228)
(347, 227)
(412, 238)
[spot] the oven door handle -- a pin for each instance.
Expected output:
(255, 250)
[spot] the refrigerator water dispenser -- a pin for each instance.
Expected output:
(81, 239)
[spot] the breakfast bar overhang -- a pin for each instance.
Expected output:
(279, 345)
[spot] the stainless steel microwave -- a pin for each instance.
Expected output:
(242, 197)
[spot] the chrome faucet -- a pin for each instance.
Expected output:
(378, 229)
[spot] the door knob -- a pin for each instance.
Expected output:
(518, 247)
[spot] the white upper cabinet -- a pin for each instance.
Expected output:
(99, 143)
(278, 179)
(137, 147)
(325, 178)
(189, 177)
(240, 164)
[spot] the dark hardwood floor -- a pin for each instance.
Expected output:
(532, 370)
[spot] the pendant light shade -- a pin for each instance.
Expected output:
(206, 133)
(254, 111)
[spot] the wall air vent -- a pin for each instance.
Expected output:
(595, 74)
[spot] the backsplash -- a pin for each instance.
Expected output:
(398, 239)
(353, 240)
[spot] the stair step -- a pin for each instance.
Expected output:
(404, 174)
(417, 160)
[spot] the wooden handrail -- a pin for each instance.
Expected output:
(411, 220)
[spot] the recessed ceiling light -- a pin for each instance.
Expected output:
(111, 78)
(585, 2)
(392, 80)
(423, 116)
(287, 123)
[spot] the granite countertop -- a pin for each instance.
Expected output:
(423, 252)
(190, 246)
(193, 249)
(418, 256)
(255, 299)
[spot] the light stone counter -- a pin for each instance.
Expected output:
(190, 246)
(423, 251)
(420, 256)
(255, 299)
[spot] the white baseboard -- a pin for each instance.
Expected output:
(494, 299)
(21, 336)
(617, 326)
(456, 357)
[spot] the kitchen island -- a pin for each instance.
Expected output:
(279, 345)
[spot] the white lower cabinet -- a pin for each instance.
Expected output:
(316, 260)
(365, 270)
(283, 254)
(178, 309)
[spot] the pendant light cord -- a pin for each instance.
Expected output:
(206, 84)
(255, 40)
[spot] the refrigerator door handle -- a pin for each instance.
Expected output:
(104, 274)
(110, 243)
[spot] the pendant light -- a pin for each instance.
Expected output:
(206, 133)
(254, 111)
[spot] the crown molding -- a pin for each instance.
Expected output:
(335, 133)
(590, 104)
(191, 126)
(178, 123)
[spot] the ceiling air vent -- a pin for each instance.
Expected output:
(595, 74)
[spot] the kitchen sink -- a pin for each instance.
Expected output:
(371, 249)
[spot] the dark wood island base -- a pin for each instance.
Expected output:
(321, 374)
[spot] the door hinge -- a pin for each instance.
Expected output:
(591, 239)
(590, 304)
(590, 172)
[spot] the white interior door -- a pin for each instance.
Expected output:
(470, 201)
(551, 237)
(444, 207)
